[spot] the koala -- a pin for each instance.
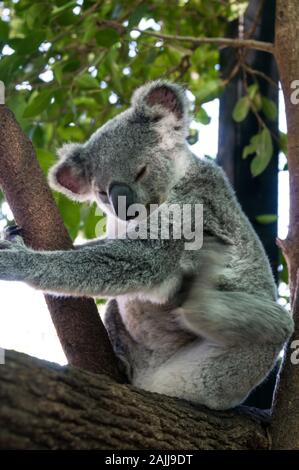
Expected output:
(197, 324)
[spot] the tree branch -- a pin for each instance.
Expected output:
(77, 321)
(284, 427)
(285, 423)
(196, 41)
(44, 406)
(225, 42)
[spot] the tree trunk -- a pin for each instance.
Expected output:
(45, 406)
(285, 428)
(287, 57)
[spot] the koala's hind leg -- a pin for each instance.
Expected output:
(211, 375)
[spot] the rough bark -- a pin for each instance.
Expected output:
(287, 57)
(80, 330)
(45, 406)
(284, 424)
(285, 430)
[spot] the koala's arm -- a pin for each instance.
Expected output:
(106, 269)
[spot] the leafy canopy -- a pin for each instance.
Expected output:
(69, 66)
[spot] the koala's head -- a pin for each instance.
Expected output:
(139, 154)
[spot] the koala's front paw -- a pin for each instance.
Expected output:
(11, 238)
(10, 233)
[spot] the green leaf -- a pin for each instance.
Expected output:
(137, 15)
(36, 15)
(28, 44)
(70, 212)
(269, 108)
(9, 66)
(207, 91)
(151, 56)
(86, 102)
(17, 104)
(202, 116)
(90, 221)
(66, 6)
(107, 37)
(192, 137)
(4, 30)
(57, 70)
(86, 81)
(266, 218)
(241, 109)
(71, 66)
(46, 159)
(38, 136)
(252, 147)
(283, 142)
(38, 104)
(248, 150)
(90, 29)
(71, 133)
(252, 90)
(264, 153)
(257, 101)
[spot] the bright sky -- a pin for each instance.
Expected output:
(25, 323)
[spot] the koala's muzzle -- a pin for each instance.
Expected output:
(121, 197)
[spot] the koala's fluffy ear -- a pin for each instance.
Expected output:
(69, 175)
(159, 99)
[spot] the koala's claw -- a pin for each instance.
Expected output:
(11, 232)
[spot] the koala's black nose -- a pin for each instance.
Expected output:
(121, 197)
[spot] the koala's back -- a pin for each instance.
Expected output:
(247, 266)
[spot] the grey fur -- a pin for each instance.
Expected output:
(202, 325)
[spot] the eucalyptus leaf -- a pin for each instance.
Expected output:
(266, 218)
(241, 109)
(107, 37)
(4, 30)
(264, 153)
(202, 116)
(137, 15)
(38, 104)
(269, 108)
(86, 81)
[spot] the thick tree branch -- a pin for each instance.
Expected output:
(44, 406)
(81, 333)
(225, 42)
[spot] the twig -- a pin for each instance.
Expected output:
(232, 74)
(260, 74)
(250, 33)
(254, 109)
(225, 42)
(252, 105)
